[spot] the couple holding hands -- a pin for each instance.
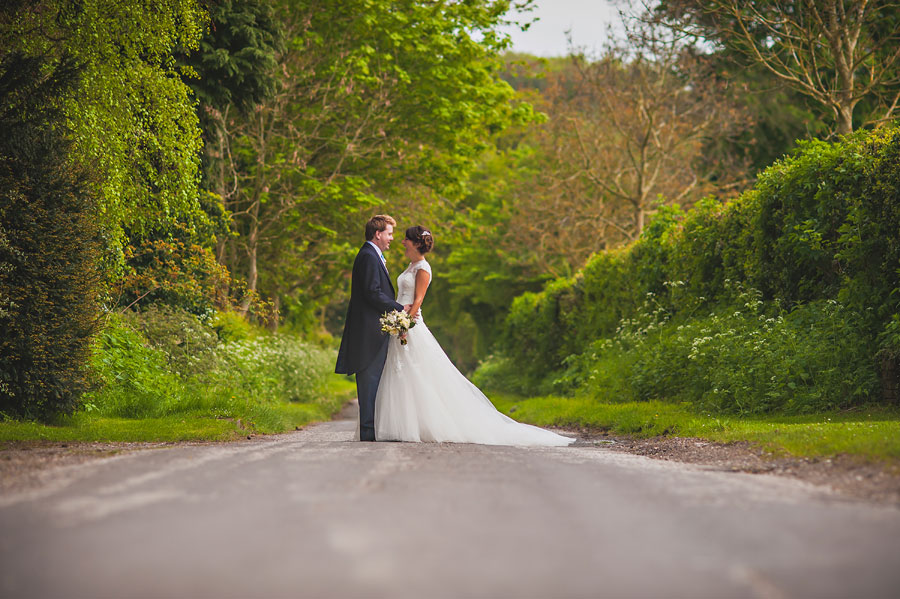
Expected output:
(412, 391)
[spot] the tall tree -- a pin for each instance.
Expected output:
(49, 243)
(236, 69)
(634, 130)
(132, 118)
(374, 97)
(536, 208)
(839, 53)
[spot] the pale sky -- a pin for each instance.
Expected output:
(586, 19)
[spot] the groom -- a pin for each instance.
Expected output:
(363, 345)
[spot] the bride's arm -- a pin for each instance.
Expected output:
(423, 277)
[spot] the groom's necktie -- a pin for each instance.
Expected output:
(383, 261)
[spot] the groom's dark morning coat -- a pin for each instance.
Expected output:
(371, 295)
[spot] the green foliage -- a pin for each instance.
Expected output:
(49, 245)
(174, 270)
(483, 260)
(819, 237)
(231, 326)
(375, 101)
(235, 61)
(132, 118)
(185, 340)
(544, 329)
(270, 368)
(163, 362)
(868, 243)
(441, 64)
(824, 224)
(869, 433)
(536, 327)
(740, 359)
(500, 374)
(134, 378)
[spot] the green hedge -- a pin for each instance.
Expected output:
(821, 224)
(166, 361)
(49, 246)
(543, 329)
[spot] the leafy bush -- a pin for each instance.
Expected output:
(186, 368)
(186, 342)
(49, 245)
(535, 334)
(134, 379)
(496, 373)
(231, 326)
(741, 359)
(173, 271)
(819, 237)
(268, 368)
(543, 329)
(868, 245)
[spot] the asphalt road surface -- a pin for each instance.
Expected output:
(314, 514)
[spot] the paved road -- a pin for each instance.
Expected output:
(312, 514)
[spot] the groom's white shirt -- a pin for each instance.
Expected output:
(380, 255)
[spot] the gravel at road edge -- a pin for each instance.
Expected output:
(849, 476)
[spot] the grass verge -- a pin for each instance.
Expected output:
(872, 434)
(269, 417)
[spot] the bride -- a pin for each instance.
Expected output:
(422, 396)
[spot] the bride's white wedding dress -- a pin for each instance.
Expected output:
(423, 397)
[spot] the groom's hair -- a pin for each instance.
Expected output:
(379, 222)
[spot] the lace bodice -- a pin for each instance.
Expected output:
(406, 282)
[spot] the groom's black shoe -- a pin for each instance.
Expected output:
(367, 435)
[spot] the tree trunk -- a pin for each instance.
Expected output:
(220, 250)
(843, 38)
(218, 185)
(232, 255)
(276, 316)
(252, 270)
(253, 220)
(845, 119)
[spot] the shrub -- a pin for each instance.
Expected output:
(534, 332)
(231, 326)
(821, 225)
(497, 373)
(868, 243)
(49, 247)
(741, 359)
(134, 378)
(172, 269)
(186, 342)
(185, 368)
(543, 329)
(268, 368)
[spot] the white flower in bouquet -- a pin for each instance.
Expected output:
(397, 323)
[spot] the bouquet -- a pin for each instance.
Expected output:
(397, 323)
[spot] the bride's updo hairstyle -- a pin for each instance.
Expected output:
(421, 238)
